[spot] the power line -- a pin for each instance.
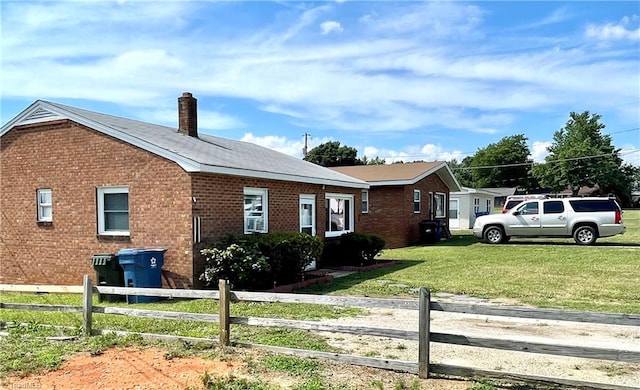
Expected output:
(472, 153)
(547, 162)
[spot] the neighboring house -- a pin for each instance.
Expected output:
(465, 205)
(402, 195)
(75, 183)
(501, 194)
(635, 199)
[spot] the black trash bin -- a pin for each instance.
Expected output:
(428, 230)
(108, 273)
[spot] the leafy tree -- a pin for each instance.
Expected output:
(332, 154)
(503, 164)
(374, 161)
(582, 156)
(461, 171)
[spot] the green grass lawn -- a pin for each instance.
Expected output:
(541, 272)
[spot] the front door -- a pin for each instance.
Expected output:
(454, 214)
(308, 219)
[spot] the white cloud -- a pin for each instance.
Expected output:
(631, 155)
(434, 19)
(278, 143)
(426, 152)
(207, 119)
(618, 31)
(558, 15)
(539, 150)
(409, 65)
(330, 26)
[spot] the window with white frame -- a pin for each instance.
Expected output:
(113, 211)
(416, 201)
(339, 214)
(440, 200)
(255, 210)
(476, 205)
(488, 202)
(45, 205)
(365, 201)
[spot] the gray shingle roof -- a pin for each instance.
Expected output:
(203, 154)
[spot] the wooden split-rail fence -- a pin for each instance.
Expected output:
(423, 368)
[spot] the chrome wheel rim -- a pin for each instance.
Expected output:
(494, 236)
(585, 236)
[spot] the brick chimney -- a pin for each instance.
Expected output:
(188, 114)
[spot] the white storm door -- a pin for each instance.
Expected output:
(308, 214)
(454, 214)
(308, 220)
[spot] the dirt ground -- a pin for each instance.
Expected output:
(151, 369)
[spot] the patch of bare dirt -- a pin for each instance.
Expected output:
(151, 369)
(120, 369)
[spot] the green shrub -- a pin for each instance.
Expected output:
(352, 249)
(241, 264)
(289, 254)
(260, 261)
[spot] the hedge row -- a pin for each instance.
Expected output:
(263, 261)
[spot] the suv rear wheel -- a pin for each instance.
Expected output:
(494, 235)
(585, 235)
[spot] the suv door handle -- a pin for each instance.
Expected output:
(534, 218)
(562, 218)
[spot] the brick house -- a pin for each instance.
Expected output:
(402, 195)
(74, 183)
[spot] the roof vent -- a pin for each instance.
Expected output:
(188, 114)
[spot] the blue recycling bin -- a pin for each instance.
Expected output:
(142, 268)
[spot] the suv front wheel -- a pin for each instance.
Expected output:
(494, 235)
(585, 235)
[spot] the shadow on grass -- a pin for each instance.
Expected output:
(457, 240)
(568, 242)
(346, 282)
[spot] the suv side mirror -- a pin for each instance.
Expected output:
(517, 212)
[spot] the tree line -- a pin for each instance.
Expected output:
(579, 156)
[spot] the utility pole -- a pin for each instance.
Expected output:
(305, 150)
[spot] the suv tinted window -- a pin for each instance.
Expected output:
(529, 208)
(553, 207)
(593, 205)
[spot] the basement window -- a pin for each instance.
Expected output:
(113, 211)
(45, 205)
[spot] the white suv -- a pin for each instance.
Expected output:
(584, 219)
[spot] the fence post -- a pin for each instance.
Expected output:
(87, 304)
(424, 332)
(223, 304)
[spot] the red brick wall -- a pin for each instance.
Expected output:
(220, 204)
(73, 161)
(391, 213)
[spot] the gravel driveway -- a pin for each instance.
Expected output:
(540, 331)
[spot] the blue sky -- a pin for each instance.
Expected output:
(395, 79)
